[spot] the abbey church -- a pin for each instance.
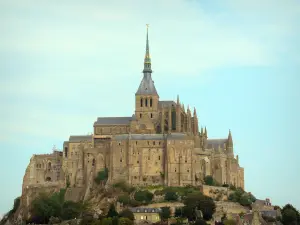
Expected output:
(160, 144)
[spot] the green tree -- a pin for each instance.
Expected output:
(126, 213)
(125, 221)
(112, 211)
(178, 212)
(165, 213)
(143, 196)
(171, 196)
(201, 202)
(290, 215)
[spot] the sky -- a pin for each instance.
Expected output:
(65, 63)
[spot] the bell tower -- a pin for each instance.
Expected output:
(146, 97)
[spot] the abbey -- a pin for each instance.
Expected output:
(160, 144)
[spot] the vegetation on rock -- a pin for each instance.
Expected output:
(102, 176)
(290, 215)
(143, 196)
(242, 197)
(165, 213)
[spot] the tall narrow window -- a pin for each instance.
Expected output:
(66, 152)
(151, 115)
(146, 102)
(140, 115)
(141, 102)
(150, 102)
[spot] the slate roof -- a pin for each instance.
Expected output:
(145, 210)
(173, 136)
(270, 213)
(147, 86)
(113, 120)
(80, 138)
(214, 143)
(162, 104)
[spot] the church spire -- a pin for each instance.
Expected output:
(147, 60)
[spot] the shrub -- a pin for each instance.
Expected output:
(126, 213)
(125, 221)
(102, 176)
(171, 196)
(124, 186)
(143, 196)
(125, 199)
(165, 213)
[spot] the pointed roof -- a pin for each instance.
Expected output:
(147, 84)
(229, 140)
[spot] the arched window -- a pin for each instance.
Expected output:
(150, 102)
(48, 179)
(66, 152)
(141, 102)
(94, 162)
(151, 115)
(146, 102)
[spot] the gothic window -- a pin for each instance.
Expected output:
(66, 152)
(150, 102)
(159, 157)
(138, 161)
(146, 102)
(94, 162)
(140, 115)
(141, 102)
(151, 115)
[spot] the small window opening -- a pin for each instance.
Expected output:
(140, 115)
(141, 102)
(150, 102)
(146, 102)
(151, 115)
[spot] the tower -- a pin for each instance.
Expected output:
(146, 97)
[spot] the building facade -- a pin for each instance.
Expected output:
(160, 144)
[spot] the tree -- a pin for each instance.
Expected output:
(143, 196)
(201, 202)
(125, 221)
(178, 212)
(126, 213)
(165, 213)
(112, 211)
(290, 215)
(171, 196)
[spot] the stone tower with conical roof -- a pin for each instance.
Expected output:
(146, 97)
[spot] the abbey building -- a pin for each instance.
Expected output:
(160, 144)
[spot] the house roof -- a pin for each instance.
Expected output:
(145, 210)
(172, 136)
(215, 143)
(113, 120)
(80, 138)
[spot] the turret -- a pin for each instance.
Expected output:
(178, 115)
(195, 122)
(230, 144)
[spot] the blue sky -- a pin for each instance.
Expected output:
(63, 64)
